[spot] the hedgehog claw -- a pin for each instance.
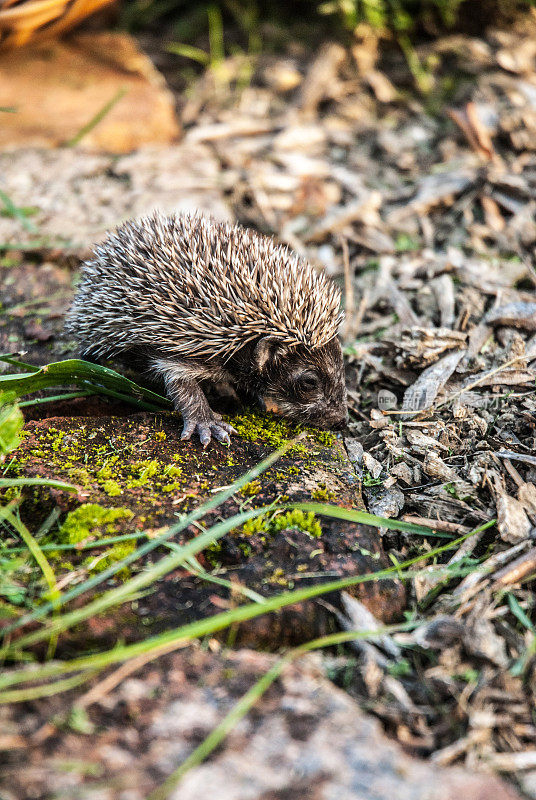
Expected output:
(220, 434)
(220, 430)
(206, 430)
(204, 433)
(226, 427)
(187, 430)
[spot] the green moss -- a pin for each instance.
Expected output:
(170, 487)
(278, 576)
(79, 475)
(88, 519)
(116, 553)
(112, 488)
(266, 429)
(279, 522)
(88, 463)
(143, 472)
(212, 553)
(304, 521)
(13, 468)
(321, 493)
(255, 525)
(105, 473)
(251, 489)
(84, 457)
(57, 438)
(12, 493)
(325, 438)
(173, 472)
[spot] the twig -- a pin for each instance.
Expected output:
(349, 297)
(438, 524)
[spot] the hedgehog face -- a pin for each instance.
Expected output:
(305, 385)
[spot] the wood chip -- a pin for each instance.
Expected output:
(322, 77)
(364, 208)
(514, 315)
(229, 130)
(512, 522)
(517, 570)
(424, 391)
(433, 190)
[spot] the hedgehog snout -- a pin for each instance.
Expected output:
(334, 419)
(341, 423)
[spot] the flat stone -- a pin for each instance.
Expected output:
(58, 88)
(137, 463)
(304, 739)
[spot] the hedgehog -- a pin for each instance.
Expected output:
(211, 303)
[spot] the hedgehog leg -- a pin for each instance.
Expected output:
(187, 396)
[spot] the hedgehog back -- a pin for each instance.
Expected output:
(193, 287)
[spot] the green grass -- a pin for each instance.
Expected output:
(46, 610)
(15, 212)
(90, 378)
(200, 628)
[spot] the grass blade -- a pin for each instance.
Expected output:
(351, 515)
(182, 553)
(43, 563)
(55, 398)
(8, 482)
(35, 692)
(11, 210)
(98, 117)
(35, 550)
(88, 376)
(121, 594)
(11, 358)
(220, 621)
(189, 51)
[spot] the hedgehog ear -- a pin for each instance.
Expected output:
(267, 351)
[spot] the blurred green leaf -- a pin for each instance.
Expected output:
(11, 422)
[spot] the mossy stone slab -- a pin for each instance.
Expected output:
(134, 473)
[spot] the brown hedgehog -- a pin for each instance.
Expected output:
(208, 301)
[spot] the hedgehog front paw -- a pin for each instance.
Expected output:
(207, 428)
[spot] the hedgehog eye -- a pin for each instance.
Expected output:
(307, 382)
